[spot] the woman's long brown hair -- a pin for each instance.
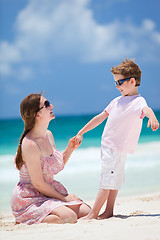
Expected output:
(28, 109)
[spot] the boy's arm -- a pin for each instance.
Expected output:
(148, 112)
(94, 122)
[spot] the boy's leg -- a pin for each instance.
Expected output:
(110, 205)
(100, 200)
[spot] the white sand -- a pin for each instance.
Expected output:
(135, 218)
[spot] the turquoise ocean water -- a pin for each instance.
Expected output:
(81, 175)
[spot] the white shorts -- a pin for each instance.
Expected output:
(113, 166)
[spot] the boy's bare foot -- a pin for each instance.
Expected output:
(105, 216)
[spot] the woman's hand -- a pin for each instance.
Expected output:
(78, 138)
(72, 197)
(73, 144)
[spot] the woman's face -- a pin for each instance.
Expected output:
(45, 109)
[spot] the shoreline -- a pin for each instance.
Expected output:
(134, 217)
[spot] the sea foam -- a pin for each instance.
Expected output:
(146, 156)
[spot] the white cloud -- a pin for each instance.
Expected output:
(156, 37)
(148, 25)
(49, 29)
(5, 69)
(9, 52)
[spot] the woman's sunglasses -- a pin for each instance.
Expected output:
(121, 81)
(46, 105)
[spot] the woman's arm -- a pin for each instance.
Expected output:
(72, 145)
(31, 156)
(148, 112)
(69, 149)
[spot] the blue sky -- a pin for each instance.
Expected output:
(67, 48)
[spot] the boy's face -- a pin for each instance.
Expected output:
(127, 88)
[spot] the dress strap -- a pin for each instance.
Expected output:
(49, 143)
(49, 140)
(38, 146)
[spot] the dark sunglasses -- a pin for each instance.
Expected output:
(121, 81)
(46, 105)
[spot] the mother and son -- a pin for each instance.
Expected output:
(38, 198)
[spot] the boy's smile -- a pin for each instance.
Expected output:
(127, 88)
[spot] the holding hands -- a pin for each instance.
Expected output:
(74, 143)
(78, 139)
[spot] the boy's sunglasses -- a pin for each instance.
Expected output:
(121, 81)
(46, 105)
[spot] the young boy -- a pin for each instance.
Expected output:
(120, 135)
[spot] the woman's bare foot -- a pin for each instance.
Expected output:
(89, 217)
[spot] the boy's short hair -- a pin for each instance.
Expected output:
(128, 68)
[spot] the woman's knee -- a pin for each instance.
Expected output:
(65, 214)
(84, 210)
(70, 217)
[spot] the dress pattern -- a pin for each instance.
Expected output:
(28, 204)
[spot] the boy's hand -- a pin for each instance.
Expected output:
(148, 112)
(78, 139)
(154, 123)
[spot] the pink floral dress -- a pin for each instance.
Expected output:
(28, 204)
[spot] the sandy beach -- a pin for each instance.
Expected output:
(136, 217)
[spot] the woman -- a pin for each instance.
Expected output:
(38, 197)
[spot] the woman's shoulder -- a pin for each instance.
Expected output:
(29, 145)
(30, 151)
